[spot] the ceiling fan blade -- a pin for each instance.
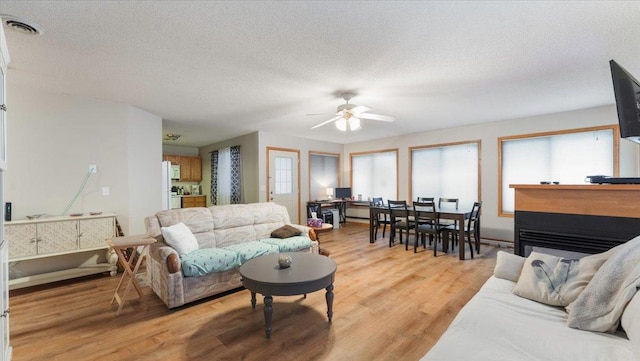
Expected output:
(360, 109)
(321, 114)
(327, 122)
(384, 118)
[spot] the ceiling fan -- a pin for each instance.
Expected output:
(348, 115)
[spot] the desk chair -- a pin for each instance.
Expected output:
(325, 215)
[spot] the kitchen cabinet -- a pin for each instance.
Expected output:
(171, 158)
(194, 201)
(185, 169)
(190, 167)
(57, 236)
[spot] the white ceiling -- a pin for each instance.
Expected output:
(216, 70)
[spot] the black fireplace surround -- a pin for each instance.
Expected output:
(572, 232)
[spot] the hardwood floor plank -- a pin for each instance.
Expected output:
(390, 304)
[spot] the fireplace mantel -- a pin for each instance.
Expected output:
(587, 218)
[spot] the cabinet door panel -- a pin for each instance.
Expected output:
(196, 169)
(57, 237)
(21, 239)
(95, 232)
(185, 168)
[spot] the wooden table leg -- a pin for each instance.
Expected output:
(268, 313)
(329, 297)
(128, 274)
(460, 221)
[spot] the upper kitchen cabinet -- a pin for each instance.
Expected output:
(190, 167)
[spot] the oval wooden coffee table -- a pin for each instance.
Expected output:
(308, 273)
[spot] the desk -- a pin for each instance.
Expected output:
(458, 215)
(339, 204)
(122, 243)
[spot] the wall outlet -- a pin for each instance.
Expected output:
(106, 191)
(93, 168)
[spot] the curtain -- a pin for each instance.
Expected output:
(225, 176)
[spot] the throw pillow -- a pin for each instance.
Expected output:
(603, 301)
(508, 266)
(285, 231)
(180, 238)
(554, 280)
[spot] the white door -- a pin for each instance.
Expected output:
(283, 181)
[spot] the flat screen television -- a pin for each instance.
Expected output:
(342, 193)
(627, 92)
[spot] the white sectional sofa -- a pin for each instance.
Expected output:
(497, 324)
(226, 237)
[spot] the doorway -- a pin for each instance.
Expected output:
(283, 173)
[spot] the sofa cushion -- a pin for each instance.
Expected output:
(207, 260)
(179, 237)
(198, 219)
(252, 249)
(508, 266)
(285, 231)
(554, 280)
(291, 244)
(631, 323)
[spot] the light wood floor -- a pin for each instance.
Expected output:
(390, 304)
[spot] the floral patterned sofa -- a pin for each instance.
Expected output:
(226, 236)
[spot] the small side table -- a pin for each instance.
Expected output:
(119, 244)
(325, 227)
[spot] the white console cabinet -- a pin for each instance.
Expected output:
(59, 236)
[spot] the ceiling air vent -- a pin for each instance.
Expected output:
(20, 25)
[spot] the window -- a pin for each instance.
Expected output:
(566, 157)
(446, 170)
(375, 174)
(323, 174)
(284, 175)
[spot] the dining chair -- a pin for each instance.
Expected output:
(382, 218)
(398, 221)
(448, 203)
(425, 199)
(426, 211)
(471, 229)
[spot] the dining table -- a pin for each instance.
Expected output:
(458, 215)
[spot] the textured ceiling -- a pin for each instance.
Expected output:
(216, 70)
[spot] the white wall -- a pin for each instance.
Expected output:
(179, 150)
(493, 226)
(52, 139)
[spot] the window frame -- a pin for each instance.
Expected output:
(616, 152)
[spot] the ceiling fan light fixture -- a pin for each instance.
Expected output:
(354, 123)
(171, 136)
(341, 124)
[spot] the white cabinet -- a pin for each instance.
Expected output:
(57, 236)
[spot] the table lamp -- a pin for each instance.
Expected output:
(329, 193)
